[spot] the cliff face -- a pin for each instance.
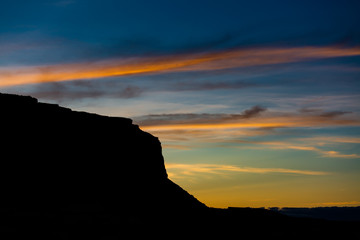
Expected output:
(54, 157)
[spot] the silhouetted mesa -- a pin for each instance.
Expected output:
(75, 175)
(54, 158)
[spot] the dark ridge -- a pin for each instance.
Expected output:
(75, 175)
(329, 213)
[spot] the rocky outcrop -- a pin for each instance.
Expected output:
(75, 175)
(53, 157)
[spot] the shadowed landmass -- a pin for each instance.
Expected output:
(329, 213)
(75, 175)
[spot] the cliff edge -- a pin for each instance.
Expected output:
(53, 158)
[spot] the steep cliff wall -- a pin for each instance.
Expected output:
(53, 156)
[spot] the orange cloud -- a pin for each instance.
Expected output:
(235, 58)
(228, 130)
(263, 122)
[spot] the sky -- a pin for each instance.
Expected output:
(256, 103)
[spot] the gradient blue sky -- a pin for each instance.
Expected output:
(256, 103)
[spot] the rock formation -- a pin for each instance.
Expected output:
(53, 157)
(75, 175)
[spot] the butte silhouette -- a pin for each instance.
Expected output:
(75, 175)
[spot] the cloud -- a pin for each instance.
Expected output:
(67, 91)
(199, 86)
(239, 130)
(176, 169)
(304, 144)
(329, 139)
(323, 153)
(336, 154)
(193, 118)
(186, 140)
(209, 61)
(248, 119)
(322, 113)
(309, 110)
(252, 112)
(333, 114)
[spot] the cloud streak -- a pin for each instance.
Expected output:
(218, 60)
(85, 89)
(306, 147)
(191, 169)
(186, 131)
(321, 146)
(184, 119)
(233, 121)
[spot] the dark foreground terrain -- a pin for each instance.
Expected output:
(76, 175)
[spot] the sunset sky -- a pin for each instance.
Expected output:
(256, 103)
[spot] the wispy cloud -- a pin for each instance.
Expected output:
(333, 114)
(219, 60)
(170, 122)
(177, 169)
(208, 85)
(188, 131)
(331, 139)
(308, 147)
(75, 90)
(192, 118)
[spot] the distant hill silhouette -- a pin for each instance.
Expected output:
(329, 213)
(76, 175)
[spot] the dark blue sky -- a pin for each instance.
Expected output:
(80, 29)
